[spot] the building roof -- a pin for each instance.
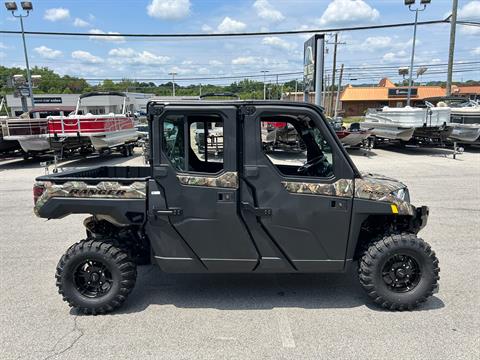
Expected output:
(466, 89)
(380, 92)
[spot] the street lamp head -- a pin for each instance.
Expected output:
(409, 2)
(11, 5)
(27, 5)
(425, 2)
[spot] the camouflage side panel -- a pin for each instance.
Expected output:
(226, 180)
(79, 189)
(379, 188)
(342, 188)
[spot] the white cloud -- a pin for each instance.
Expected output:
(215, 63)
(277, 42)
(86, 57)
(244, 60)
(117, 39)
(147, 58)
(345, 12)
(476, 51)
(122, 52)
(395, 57)
(266, 11)
(206, 28)
(130, 56)
(470, 12)
(56, 14)
(2, 45)
(229, 25)
(374, 43)
(169, 9)
(47, 53)
(80, 23)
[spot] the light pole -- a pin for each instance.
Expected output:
(451, 51)
(264, 84)
(26, 6)
(409, 3)
(173, 81)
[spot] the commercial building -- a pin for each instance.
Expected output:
(356, 100)
(96, 105)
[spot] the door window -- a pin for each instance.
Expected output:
(295, 146)
(201, 149)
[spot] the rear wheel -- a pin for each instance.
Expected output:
(399, 271)
(95, 276)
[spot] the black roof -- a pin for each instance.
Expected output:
(203, 102)
(103, 93)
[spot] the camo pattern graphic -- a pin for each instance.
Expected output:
(342, 187)
(226, 180)
(79, 189)
(380, 188)
(370, 187)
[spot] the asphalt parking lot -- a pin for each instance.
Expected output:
(247, 316)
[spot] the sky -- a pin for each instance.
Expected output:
(96, 58)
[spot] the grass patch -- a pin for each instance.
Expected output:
(352, 119)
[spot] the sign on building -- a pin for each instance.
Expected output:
(47, 100)
(401, 92)
(310, 62)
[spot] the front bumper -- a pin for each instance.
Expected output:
(420, 219)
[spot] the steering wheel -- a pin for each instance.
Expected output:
(305, 168)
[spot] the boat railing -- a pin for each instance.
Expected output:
(68, 125)
(25, 127)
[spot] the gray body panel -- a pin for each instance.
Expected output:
(248, 217)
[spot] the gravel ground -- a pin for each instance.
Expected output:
(246, 316)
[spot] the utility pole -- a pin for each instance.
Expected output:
(264, 84)
(337, 100)
(296, 89)
(26, 6)
(325, 95)
(333, 71)
(200, 89)
(416, 10)
(276, 88)
(173, 82)
(451, 51)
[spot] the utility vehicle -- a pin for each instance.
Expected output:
(243, 210)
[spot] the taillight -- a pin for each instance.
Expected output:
(38, 190)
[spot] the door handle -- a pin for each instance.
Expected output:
(160, 171)
(251, 171)
(255, 210)
(168, 212)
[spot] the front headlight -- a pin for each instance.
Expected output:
(402, 194)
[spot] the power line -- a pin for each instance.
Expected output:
(240, 34)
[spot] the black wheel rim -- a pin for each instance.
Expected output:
(93, 279)
(401, 273)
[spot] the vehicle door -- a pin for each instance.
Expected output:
(195, 223)
(297, 189)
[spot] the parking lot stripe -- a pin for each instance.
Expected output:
(285, 330)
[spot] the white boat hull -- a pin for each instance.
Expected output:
(113, 139)
(388, 131)
(401, 123)
(31, 143)
(467, 133)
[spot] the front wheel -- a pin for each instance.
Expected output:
(95, 276)
(399, 271)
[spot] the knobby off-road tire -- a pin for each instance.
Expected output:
(95, 276)
(399, 271)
